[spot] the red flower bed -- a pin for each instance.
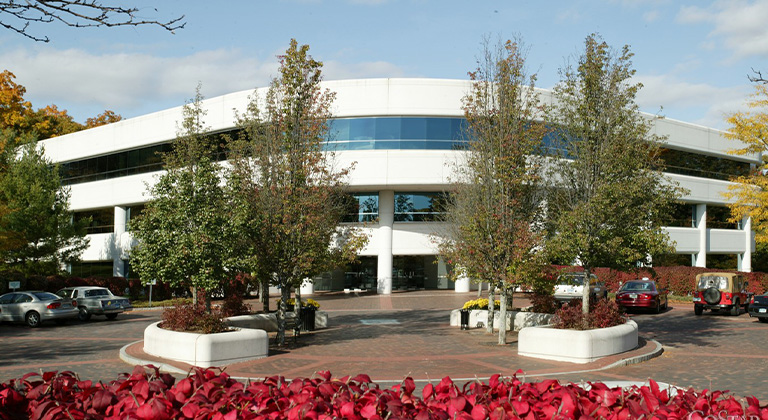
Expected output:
(205, 394)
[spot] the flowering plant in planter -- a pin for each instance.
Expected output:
(305, 303)
(481, 304)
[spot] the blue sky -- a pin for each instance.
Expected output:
(693, 56)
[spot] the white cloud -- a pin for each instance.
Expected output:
(741, 24)
(678, 98)
(133, 83)
(651, 16)
(335, 70)
(72, 78)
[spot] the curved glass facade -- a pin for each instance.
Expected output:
(378, 133)
(396, 133)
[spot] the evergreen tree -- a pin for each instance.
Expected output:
(37, 233)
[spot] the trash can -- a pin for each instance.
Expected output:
(464, 319)
(308, 318)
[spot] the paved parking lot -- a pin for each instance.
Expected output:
(407, 334)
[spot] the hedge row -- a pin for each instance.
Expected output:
(680, 280)
(119, 286)
(204, 394)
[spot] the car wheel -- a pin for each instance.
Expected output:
(657, 310)
(32, 319)
(83, 315)
(712, 296)
(698, 309)
(736, 308)
(111, 316)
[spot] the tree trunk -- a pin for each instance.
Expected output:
(264, 293)
(281, 309)
(585, 294)
(503, 315)
(479, 290)
(489, 326)
(194, 296)
(297, 304)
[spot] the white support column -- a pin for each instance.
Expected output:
(386, 222)
(462, 284)
(745, 259)
(701, 224)
(118, 266)
(307, 287)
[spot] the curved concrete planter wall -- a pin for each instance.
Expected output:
(576, 346)
(268, 322)
(515, 319)
(206, 350)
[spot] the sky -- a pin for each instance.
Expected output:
(692, 56)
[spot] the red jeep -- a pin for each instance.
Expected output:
(721, 291)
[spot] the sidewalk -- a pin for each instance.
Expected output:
(390, 337)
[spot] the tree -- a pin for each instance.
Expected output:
(608, 195)
(750, 192)
(289, 196)
(37, 233)
(14, 110)
(74, 13)
(106, 117)
(494, 211)
(18, 114)
(183, 231)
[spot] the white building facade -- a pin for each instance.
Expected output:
(404, 137)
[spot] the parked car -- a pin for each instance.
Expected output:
(721, 291)
(92, 300)
(758, 307)
(571, 286)
(35, 307)
(642, 294)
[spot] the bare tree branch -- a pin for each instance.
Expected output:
(73, 13)
(758, 77)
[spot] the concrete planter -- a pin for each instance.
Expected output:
(515, 319)
(545, 342)
(268, 322)
(206, 350)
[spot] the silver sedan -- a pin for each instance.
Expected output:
(35, 307)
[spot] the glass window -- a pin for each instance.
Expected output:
(362, 207)
(694, 164)
(419, 207)
(102, 220)
(717, 218)
(91, 269)
(682, 215)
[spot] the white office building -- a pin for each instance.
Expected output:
(403, 136)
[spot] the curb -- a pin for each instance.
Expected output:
(165, 367)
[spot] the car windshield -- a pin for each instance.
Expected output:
(45, 296)
(97, 292)
(571, 280)
(637, 286)
(718, 282)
